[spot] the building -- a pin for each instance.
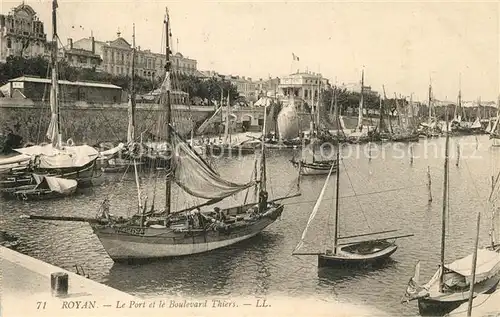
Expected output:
(356, 87)
(22, 34)
(38, 89)
(267, 87)
(304, 85)
(82, 58)
(244, 85)
(116, 58)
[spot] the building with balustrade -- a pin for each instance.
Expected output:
(305, 85)
(116, 58)
(22, 34)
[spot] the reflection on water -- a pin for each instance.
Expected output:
(386, 192)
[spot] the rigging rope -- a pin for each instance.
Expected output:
(358, 195)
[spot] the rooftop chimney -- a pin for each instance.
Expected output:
(70, 43)
(93, 44)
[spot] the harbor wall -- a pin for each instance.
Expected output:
(91, 123)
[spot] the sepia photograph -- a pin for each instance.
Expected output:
(253, 158)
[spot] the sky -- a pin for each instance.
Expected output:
(401, 45)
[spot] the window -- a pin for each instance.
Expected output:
(9, 43)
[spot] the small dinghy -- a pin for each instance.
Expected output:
(46, 187)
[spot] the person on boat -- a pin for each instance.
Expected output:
(201, 218)
(263, 201)
(196, 220)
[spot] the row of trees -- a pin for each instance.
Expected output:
(349, 99)
(209, 89)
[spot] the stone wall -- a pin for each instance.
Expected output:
(91, 124)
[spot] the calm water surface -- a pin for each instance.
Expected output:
(386, 192)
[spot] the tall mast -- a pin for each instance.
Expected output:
(337, 189)
(445, 199)
(56, 136)
(226, 128)
(412, 113)
(459, 95)
(389, 115)
(430, 102)
(166, 95)
(361, 101)
(131, 108)
(263, 174)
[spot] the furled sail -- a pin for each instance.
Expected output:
(495, 126)
(214, 118)
(315, 209)
(70, 156)
(53, 126)
(488, 265)
(196, 177)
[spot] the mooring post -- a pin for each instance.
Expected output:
(59, 284)
(411, 154)
(369, 151)
(429, 183)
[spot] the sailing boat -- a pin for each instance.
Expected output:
(405, 131)
(55, 159)
(121, 157)
(166, 233)
(430, 128)
(450, 285)
(316, 167)
(226, 147)
(351, 253)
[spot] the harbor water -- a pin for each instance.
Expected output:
(382, 188)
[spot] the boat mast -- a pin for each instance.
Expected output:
(361, 102)
(445, 200)
(389, 115)
(459, 96)
(166, 95)
(57, 138)
(226, 128)
(263, 193)
(337, 190)
(430, 103)
(131, 109)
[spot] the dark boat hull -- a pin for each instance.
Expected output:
(437, 307)
(84, 175)
(315, 168)
(216, 150)
(377, 251)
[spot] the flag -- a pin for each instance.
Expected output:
(295, 57)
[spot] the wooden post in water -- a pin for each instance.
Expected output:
(474, 263)
(411, 154)
(369, 151)
(429, 189)
(458, 155)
